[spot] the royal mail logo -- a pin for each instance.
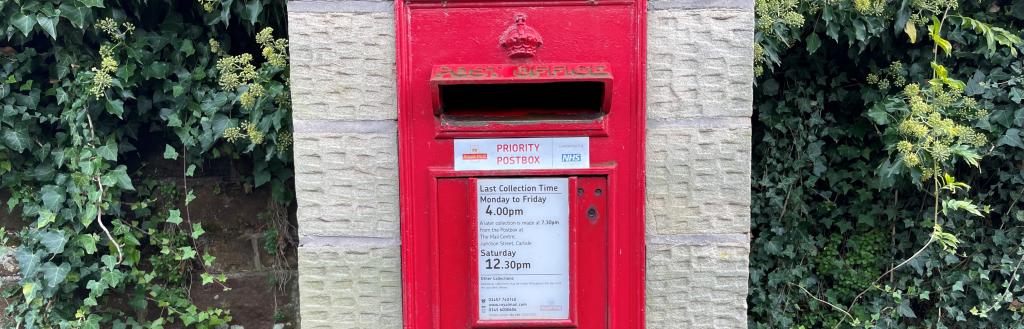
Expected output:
(474, 154)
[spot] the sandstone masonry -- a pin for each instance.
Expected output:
(346, 172)
(699, 98)
(699, 103)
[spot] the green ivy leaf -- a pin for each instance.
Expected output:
(813, 43)
(174, 217)
(859, 30)
(53, 197)
(90, 215)
(95, 287)
(74, 14)
(968, 155)
(46, 217)
(208, 259)
(878, 114)
(187, 48)
(53, 241)
(120, 174)
(62, 96)
(197, 230)
(53, 274)
(108, 151)
(911, 30)
(16, 139)
(115, 107)
(186, 253)
(964, 205)
(261, 177)
(252, 11)
(1011, 138)
(170, 153)
(905, 310)
(87, 167)
(59, 155)
(156, 70)
(934, 30)
(88, 242)
(28, 262)
(23, 23)
(91, 3)
(48, 24)
(109, 262)
(28, 290)
(207, 278)
(940, 71)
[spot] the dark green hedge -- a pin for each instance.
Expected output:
(89, 90)
(838, 200)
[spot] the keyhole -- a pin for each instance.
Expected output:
(579, 191)
(597, 192)
(592, 214)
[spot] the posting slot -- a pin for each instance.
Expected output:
(523, 101)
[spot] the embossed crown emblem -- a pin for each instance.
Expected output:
(519, 40)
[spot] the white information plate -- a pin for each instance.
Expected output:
(522, 153)
(523, 248)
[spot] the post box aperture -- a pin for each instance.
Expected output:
(521, 95)
(523, 99)
(521, 138)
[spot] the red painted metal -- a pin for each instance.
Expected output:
(435, 39)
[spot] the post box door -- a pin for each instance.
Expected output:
(521, 259)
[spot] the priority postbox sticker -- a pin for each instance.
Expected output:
(523, 248)
(522, 153)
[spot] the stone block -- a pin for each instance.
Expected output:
(698, 177)
(700, 63)
(697, 285)
(343, 65)
(351, 287)
(698, 4)
(347, 184)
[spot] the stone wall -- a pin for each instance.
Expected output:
(700, 71)
(699, 97)
(346, 173)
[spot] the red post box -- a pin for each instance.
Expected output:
(521, 127)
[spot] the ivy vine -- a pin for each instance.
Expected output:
(87, 88)
(889, 165)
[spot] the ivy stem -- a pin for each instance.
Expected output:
(184, 183)
(99, 219)
(92, 131)
(1010, 208)
(99, 203)
(938, 31)
(840, 309)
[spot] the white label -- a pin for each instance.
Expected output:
(522, 153)
(523, 248)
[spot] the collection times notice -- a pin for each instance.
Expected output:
(523, 248)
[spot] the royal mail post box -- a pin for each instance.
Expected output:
(521, 127)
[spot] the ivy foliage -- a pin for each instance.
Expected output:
(889, 165)
(88, 89)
